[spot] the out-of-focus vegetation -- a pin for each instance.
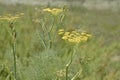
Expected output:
(97, 59)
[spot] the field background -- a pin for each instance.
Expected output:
(99, 58)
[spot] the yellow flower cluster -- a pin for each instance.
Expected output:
(74, 36)
(54, 11)
(11, 18)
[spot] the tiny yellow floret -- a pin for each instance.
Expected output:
(61, 30)
(60, 33)
(65, 37)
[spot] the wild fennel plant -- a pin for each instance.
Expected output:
(13, 34)
(73, 37)
(47, 33)
(11, 20)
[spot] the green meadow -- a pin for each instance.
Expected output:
(42, 55)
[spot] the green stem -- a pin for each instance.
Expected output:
(52, 24)
(49, 33)
(68, 65)
(42, 35)
(14, 56)
(43, 41)
(45, 29)
(77, 75)
(14, 47)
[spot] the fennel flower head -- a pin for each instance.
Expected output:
(11, 18)
(54, 11)
(74, 36)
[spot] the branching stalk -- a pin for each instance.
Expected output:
(11, 24)
(14, 55)
(68, 65)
